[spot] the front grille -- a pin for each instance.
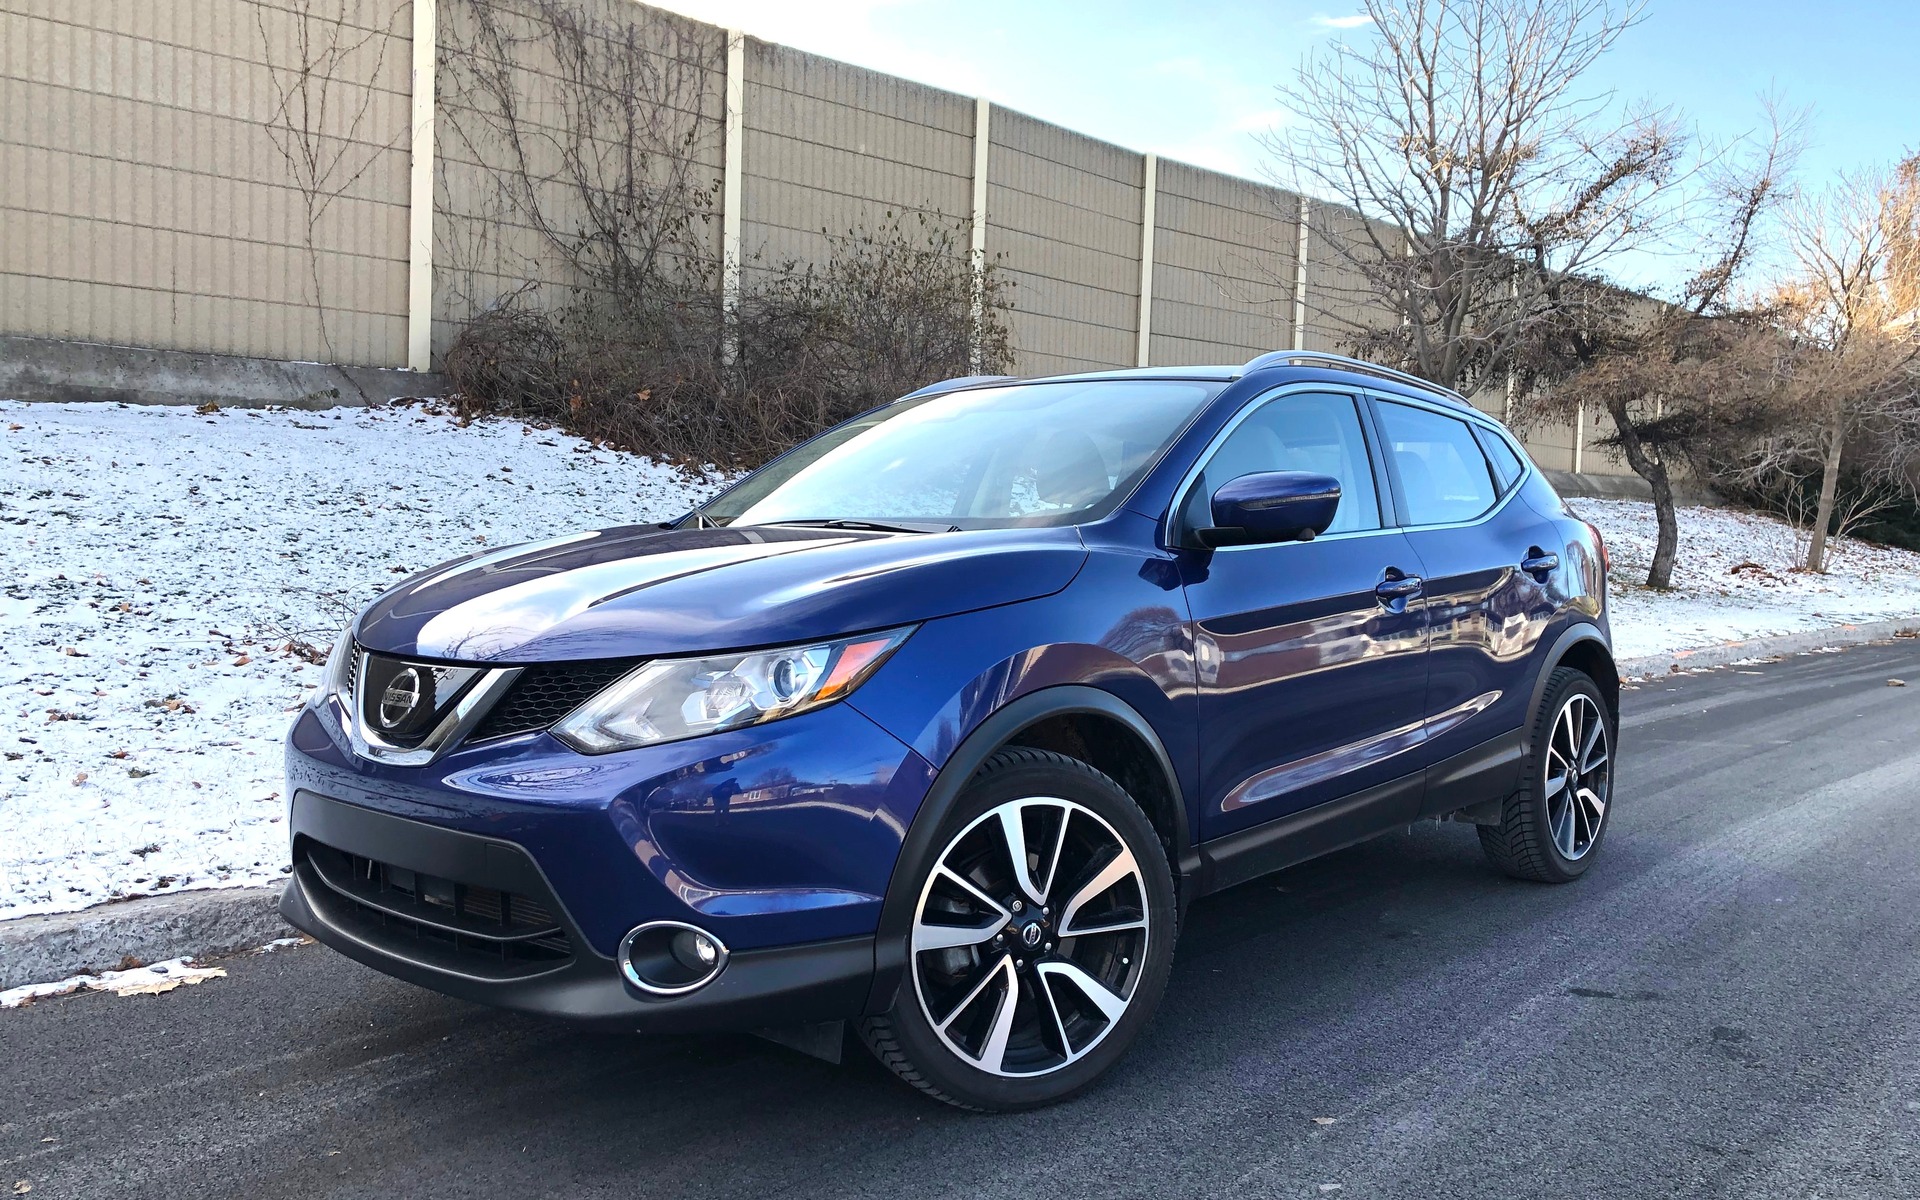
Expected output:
(545, 693)
(479, 930)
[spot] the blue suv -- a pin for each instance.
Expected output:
(936, 724)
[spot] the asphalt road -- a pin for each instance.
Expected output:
(1727, 1005)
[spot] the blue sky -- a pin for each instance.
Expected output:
(1194, 81)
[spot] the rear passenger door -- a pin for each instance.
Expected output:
(1475, 541)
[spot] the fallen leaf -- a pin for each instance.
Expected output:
(79, 778)
(175, 976)
(1896, 683)
(242, 661)
(1324, 1120)
(205, 409)
(22, 1187)
(118, 754)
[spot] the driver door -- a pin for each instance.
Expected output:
(1311, 656)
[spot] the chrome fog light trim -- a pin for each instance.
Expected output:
(671, 958)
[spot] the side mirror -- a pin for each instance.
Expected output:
(1272, 506)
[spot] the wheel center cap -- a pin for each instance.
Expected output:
(1031, 935)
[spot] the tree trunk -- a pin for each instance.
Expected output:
(1829, 491)
(1660, 574)
(1654, 471)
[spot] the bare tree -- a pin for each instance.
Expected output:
(608, 163)
(324, 82)
(1682, 379)
(596, 129)
(1486, 164)
(1852, 316)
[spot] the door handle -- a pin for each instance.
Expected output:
(1400, 588)
(1539, 564)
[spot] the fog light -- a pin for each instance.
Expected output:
(695, 950)
(671, 958)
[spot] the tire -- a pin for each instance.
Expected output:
(1551, 828)
(1097, 873)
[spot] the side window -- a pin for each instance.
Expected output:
(1506, 464)
(1304, 431)
(1443, 474)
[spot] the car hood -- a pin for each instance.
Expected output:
(644, 591)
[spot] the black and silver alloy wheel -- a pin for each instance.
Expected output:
(1029, 937)
(1577, 776)
(1553, 823)
(1042, 933)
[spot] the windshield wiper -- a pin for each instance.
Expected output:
(878, 526)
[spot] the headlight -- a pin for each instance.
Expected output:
(674, 698)
(335, 683)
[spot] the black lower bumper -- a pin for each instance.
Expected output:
(777, 986)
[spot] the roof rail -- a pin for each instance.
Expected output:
(948, 385)
(1342, 362)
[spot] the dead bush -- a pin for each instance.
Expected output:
(894, 308)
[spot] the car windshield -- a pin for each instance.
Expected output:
(1021, 454)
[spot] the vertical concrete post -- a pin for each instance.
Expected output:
(1513, 380)
(731, 188)
(426, 38)
(1579, 437)
(1300, 246)
(1148, 193)
(982, 143)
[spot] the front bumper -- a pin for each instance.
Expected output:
(778, 841)
(784, 985)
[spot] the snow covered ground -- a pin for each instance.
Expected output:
(157, 564)
(1734, 579)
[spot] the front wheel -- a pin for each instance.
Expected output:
(1550, 829)
(1042, 935)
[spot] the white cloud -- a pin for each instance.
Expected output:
(1355, 21)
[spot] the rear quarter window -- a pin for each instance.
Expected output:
(1507, 468)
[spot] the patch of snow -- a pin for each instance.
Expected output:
(155, 564)
(1734, 579)
(137, 981)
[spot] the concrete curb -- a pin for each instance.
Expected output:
(1763, 647)
(40, 369)
(152, 929)
(1628, 487)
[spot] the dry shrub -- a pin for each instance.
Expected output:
(660, 369)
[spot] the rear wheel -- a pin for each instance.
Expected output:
(1042, 934)
(1552, 826)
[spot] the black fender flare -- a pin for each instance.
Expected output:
(999, 728)
(1573, 635)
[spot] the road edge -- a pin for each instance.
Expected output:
(1726, 653)
(45, 949)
